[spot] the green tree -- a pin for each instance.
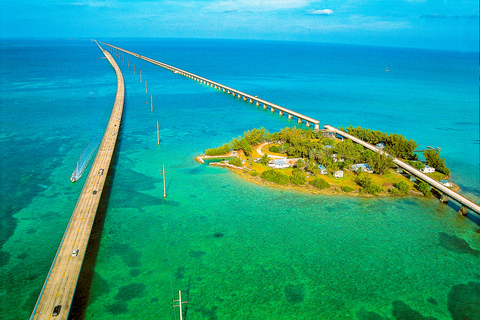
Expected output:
(380, 163)
(365, 181)
(236, 143)
(275, 176)
(255, 136)
(424, 188)
(273, 148)
(432, 159)
(347, 189)
(319, 183)
(347, 150)
(247, 149)
(300, 163)
(218, 151)
(416, 164)
(403, 187)
(264, 159)
(236, 161)
(298, 177)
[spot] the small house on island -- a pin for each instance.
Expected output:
(363, 166)
(428, 169)
(282, 163)
(380, 145)
(322, 169)
(446, 183)
(338, 174)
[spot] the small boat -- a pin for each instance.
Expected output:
(387, 69)
(74, 177)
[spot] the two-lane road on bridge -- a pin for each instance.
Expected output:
(56, 296)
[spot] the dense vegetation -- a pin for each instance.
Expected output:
(432, 159)
(314, 149)
(298, 177)
(319, 183)
(424, 188)
(275, 176)
(400, 188)
(365, 181)
(395, 144)
(236, 161)
(218, 151)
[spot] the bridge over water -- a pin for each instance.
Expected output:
(59, 287)
(239, 94)
(464, 202)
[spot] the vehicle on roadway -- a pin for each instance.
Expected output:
(56, 310)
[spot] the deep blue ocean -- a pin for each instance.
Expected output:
(235, 249)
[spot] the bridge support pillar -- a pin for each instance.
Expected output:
(463, 211)
(280, 113)
(251, 101)
(299, 120)
(258, 103)
(244, 98)
(265, 106)
(239, 96)
(317, 126)
(290, 117)
(272, 109)
(308, 124)
(444, 198)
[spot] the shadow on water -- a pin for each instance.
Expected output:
(81, 296)
(456, 207)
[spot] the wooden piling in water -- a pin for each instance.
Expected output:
(158, 135)
(151, 103)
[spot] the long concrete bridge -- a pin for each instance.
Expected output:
(236, 93)
(56, 296)
(464, 202)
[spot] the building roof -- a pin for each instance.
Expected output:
(280, 161)
(360, 165)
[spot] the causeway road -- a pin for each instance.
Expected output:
(56, 296)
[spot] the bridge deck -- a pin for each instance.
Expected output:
(437, 185)
(62, 278)
(189, 74)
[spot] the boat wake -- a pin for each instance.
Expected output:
(84, 159)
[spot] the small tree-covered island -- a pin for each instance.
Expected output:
(327, 163)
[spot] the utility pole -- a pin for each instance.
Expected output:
(165, 192)
(180, 302)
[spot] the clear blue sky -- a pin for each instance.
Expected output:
(435, 24)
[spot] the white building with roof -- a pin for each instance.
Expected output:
(364, 166)
(428, 169)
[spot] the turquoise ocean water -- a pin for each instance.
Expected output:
(236, 250)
